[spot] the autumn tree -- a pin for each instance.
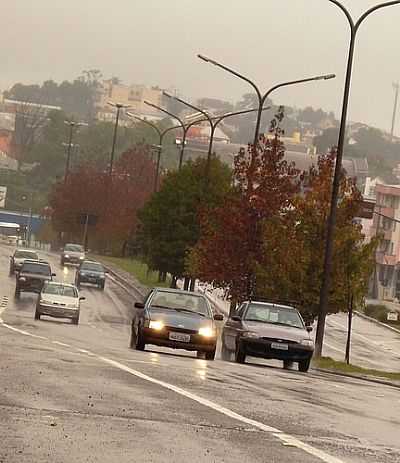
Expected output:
(113, 201)
(231, 250)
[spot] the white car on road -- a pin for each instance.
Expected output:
(59, 300)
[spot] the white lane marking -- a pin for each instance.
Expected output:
(61, 343)
(285, 438)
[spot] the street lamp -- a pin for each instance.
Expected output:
(119, 106)
(71, 125)
(161, 134)
(262, 97)
(324, 293)
(213, 121)
(181, 124)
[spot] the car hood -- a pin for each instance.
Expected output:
(267, 330)
(58, 299)
(183, 320)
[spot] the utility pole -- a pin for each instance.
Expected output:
(396, 87)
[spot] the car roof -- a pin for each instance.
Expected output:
(178, 291)
(273, 304)
(32, 251)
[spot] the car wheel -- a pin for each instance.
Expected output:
(210, 355)
(75, 320)
(101, 286)
(200, 355)
(11, 271)
(17, 293)
(240, 354)
(78, 284)
(37, 314)
(304, 365)
(140, 344)
(62, 262)
(287, 364)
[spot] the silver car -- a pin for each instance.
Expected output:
(59, 300)
(19, 257)
(72, 254)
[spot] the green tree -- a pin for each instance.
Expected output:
(170, 220)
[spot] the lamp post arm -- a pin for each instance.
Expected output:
(232, 71)
(373, 9)
(166, 112)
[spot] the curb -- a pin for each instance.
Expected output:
(360, 377)
(377, 322)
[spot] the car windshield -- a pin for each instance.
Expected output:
(60, 290)
(183, 301)
(25, 255)
(92, 266)
(36, 268)
(73, 248)
(273, 314)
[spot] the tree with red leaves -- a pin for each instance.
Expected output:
(113, 201)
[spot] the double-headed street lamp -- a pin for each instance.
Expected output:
(69, 145)
(213, 121)
(326, 276)
(181, 124)
(262, 97)
(119, 106)
(161, 134)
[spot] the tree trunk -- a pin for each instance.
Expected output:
(173, 281)
(192, 284)
(186, 283)
(349, 324)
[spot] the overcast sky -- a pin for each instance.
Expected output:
(155, 42)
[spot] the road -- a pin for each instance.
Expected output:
(79, 394)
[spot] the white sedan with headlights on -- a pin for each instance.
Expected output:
(59, 300)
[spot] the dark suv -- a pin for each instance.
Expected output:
(32, 277)
(72, 254)
(91, 272)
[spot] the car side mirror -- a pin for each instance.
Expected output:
(218, 317)
(139, 305)
(54, 274)
(309, 328)
(236, 318)
(82, 298)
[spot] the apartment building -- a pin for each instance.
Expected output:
(386, 223)
(132, 95)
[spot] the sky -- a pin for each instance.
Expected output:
(155, 42)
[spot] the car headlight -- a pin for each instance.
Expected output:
(67, 256)
(83, 274)
(43, 301)
(81, 257)
(22, 279)
(72, 306)
(250, 334)
(156, 325)
(307, 342)
(207, 332)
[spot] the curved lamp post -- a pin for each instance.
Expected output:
(119, 106)
(69, 145)
(324, 293)
(262, 97)
(161, 134)
(181, 124)
(213, 121)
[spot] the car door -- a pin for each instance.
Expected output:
(139, 317)
(233, 327)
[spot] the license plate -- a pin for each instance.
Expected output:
(279, 346)
(179, 337)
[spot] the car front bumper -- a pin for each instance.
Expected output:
(263, 349)
(95, 280)
(196, 343)
(57, 311)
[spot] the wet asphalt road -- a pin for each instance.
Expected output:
(79, 394)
